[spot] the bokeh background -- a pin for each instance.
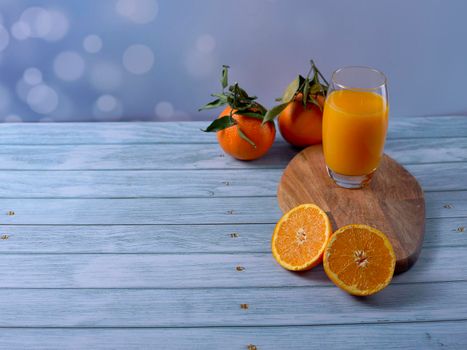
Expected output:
(116, 60)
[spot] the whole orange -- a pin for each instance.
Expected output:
(301, 126)
(261, 135)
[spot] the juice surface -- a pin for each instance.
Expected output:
(354, 131)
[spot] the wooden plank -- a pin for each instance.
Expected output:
(440, 176)
(189, 183)
(430, 150)
(137, 239)
(189, 132)
(407, 336)
(147, 183)
(130, 157)
(188, 211)
(222, 306)
(104, 133)
(167, 239)
(198, 156)
(194, 270)
(445, 232)
(427, 127)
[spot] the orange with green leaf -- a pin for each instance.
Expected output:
(241, 128)
(301, 109)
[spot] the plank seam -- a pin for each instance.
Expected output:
(224, 288)
(243, 326)
(221, 252)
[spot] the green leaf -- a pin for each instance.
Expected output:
(306, 89)
(225, 76)
(274, 112)
(301, 80)
(262, 109)
(291, 90)
(243, 136)
(250, 114)
(220, 96)
(313, 65)
(220, 124)
(214, 104)
(236, 89)
(316, 88)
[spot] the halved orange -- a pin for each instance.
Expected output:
(359, 259)
(300, 237)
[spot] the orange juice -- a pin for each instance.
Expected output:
(354, 131)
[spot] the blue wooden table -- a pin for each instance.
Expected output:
(146, 236)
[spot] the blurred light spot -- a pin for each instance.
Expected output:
(107, 108)
(4, 98)
(138, 59)
(200, 64)
(106, 76)
(20, 30)
(32, 76)
(59, 26)
(13, 118)
(106, 103)
(69, 65)
(205, 43)
(92, 43)
(38, 20)
(42, 99)
(164, 110)
(4, 38)
(138, 11)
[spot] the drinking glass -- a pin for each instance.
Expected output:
(355, 122)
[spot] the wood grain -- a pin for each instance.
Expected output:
(393, 202)
(178, 239)
(194, 270)
(407, 336)
(187, 183)
(182, 211)
(89, 250)
(189, 132)
(199, 156)
(215, 307)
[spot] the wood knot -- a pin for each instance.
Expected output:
(244, 306)
(10, 213)
(230, 212)
(251, 347)
(4, 237)
(234, 235)
(448, 206)
(240, 268)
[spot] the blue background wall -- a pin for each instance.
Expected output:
(159, 60)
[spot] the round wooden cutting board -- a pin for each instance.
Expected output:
(393, 202)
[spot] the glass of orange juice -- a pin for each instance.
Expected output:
(355, 121)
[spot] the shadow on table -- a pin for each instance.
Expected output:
(316, 275)
(278, 156)
(413, 287)
(409, 289)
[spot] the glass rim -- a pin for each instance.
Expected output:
(342, 86)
